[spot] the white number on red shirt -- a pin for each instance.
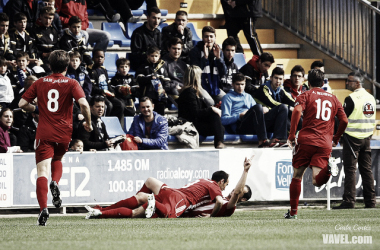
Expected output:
(323, 109)
(52, 104)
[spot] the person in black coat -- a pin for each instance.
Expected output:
(192, 107)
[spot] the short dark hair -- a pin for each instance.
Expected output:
(74, 141)
(318, 64)
(97, 50)
(19, 17)
(3, 61)
(4, 17)
(266, 57)
(74, 19)
(22, 54)
(297, 68)
(153, 10)
(152, 49)
(359, 77)
(219, 175)
(122, 61)
(316, 78)
(180, 13)
(238, 77)
(174, 41)
(208, 29)
(59, 61)
(230, 41)
(144, 99)
(97, 98)
(247, 195)
(75, 54)
(278, 71)
(47, 10)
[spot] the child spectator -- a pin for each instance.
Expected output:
(21, 71)
(79, 73)
(45, 36)
(74, 39)
(20, 39)
(125, 86)
(77, 145)
(5, 49)
(6, 91)
(100, 85)
(152, 77)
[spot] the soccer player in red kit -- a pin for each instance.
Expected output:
(55, 94)
(315, 140)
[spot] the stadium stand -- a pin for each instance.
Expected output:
(196, 38)
(239, 60)
(117, 34)
(113, 126)
(109, 63)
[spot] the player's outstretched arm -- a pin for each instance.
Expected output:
(85, 109)
(26, 105)
(239, 189)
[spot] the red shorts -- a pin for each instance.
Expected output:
(308, 155)
(48, 149)
(174, 201)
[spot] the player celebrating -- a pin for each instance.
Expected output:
(315, 140)
(55, 95)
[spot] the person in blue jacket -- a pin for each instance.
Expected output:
(150, 130)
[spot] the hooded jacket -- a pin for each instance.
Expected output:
(290, 88)
(254, 76)
(271, 98)
(70, 43)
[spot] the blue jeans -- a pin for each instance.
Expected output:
(99, 37)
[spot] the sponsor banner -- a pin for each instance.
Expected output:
(6, 179)
(337, 182)
(107, 177)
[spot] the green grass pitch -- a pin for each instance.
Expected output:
(265, 229)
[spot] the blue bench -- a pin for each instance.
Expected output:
(239, 59)
(196, 38)
(113, 126)
(110, 63)
(117, 34)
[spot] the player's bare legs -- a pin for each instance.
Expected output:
(320, 175)
(153, 185)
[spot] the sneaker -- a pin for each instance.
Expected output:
(43, 217)
(276, 143)
(345, 205)
(265, 144)
(333, 167)
(288, 216)
(92, 213)
(149, 211)
(55, 193)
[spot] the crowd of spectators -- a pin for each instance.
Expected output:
(203, 81)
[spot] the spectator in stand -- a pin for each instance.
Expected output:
(77, 145)
(78, 72)
(75, 39)
(150, 130)
(67, 9)
(152, 77)
(21, 71)
(5, 49)
(242, 115)
(6, 119)
(256, 71)
(20, 39)
(209, 57)
(98, 138)
(6, 91)
(27, 133)
(242, 15)
(179, 30)
(193, 108)
(320, 65)
(144, 37)
(28, 7)
(295, 85)
(229, 48)
(125, 86)
(56, 21)
(45, 36)
(100, 85)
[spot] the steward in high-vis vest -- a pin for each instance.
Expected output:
(360, 108)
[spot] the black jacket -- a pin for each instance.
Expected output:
(26, 135)
(81, 75)
(244, 8)
(18, 44)
(119, 80)
(142, 38)
(5, 48)
(45, 40)
(99, 79)
(254, 78)
(172, 31)
(267, 97)
(70, 43)
(176, 71)
(15, 6)
(16, 77)
(95, 139)
(226, 80)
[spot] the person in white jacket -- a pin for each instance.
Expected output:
(6, 91)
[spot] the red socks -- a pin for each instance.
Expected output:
(161, 210)
(323, 177)
(121, 212)
(130, 203)
(144, 189)
(56, 170)
(294, 191)
(42, 191)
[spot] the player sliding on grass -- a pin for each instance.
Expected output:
(315, 140)
(172, 203)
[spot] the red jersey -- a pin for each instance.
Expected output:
(208, 208)
(55, 95)
(201, 191)
(319, 109)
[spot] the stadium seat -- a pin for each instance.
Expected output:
(143, 6)
(239, 60)
(196, 38)
(93, 12)
(162, 25)
(127, 123)
(117, 35)
(253, 138)
(137, 12)
(110, 63)
(163, 12)
(113, 126)
(131, 27)
(227, 138)
(90, 25)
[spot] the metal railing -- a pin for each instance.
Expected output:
(343, 29)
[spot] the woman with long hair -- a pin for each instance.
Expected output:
(193, 107)
(6, 120)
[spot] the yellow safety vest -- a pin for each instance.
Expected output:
(361, 121)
